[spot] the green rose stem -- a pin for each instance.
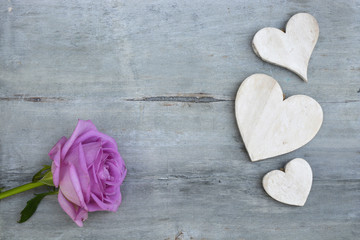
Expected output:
(20, 189)
(42, 177)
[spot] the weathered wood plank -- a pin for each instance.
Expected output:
(202, 208)
(161, 78)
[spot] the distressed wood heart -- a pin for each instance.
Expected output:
(291, 49)
(269, 125)
(292, 186)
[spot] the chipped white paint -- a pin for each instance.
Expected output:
(292, 186)
(269, 125)
(291, 49)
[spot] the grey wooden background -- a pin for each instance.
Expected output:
(161, 78)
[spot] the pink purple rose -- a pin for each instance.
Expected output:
(88, 170)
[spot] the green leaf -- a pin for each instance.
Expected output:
(1, 189)
(40, 174)
(47, 179)
(32, 205)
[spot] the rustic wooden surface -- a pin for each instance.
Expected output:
(161, 78)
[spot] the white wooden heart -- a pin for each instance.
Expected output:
(292, 186)
(269, 125)
(291, 49)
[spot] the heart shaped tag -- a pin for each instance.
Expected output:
(292, 186)
(269, 125)
(292, 49)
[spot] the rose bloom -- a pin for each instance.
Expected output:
(88, 170)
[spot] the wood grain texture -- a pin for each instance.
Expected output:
(161, 78)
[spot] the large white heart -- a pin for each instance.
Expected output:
(292, 186)
(269, 125)
(291, 49)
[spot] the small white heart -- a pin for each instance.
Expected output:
(292, 49)
(269, 125)
(292, 186)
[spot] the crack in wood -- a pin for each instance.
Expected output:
(32, 99)
(179, 235)
(345, 101)
(186, 99)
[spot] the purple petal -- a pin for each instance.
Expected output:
(76, 158)
(91, 151)
(55, 155)
(97, 205)
(83, 174)
(70, 186)
(120, 164)
(93, 136)
(81, 128)
(81, 216)
(94, 182)
(78, 215)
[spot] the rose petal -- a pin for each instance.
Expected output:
(78, 215)
(83, 174)
(91, 151)
(55, 155)
(93, 136)
(81, 216)
(117, 171)
(119, 162)
(94, 184)
(97, 168)
(76, 157)
(70, 185)
(81, 128)
(97, 204)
